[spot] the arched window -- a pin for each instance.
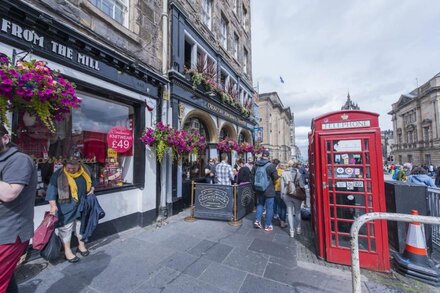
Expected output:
(223, 134)
(196, 124)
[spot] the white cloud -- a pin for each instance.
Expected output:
(376, 49)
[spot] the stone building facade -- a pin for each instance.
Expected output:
(416, 125)
(276, 121)
(210, 42)
(114, 55)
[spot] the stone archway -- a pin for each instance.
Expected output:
(229, 129)
(244, 136)
(207, 121)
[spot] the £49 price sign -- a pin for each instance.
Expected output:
(120, 139)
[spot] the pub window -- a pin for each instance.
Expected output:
(188, 52)
(116, 9)
(193, 166)
(223, 79)
(83, 133)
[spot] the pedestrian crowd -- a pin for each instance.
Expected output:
(428, 175)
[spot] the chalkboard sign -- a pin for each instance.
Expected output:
(245, 200)
(213, 201)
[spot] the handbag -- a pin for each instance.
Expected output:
(52, 249)
(298, 192)
(44, 231)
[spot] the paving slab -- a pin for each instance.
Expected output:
(223, 277)
(211, 250)
(281, 250)
(248, 261)
(304, 278)
(254, 284)
(187, 264)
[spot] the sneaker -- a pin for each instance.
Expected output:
(268, 228)
(298, 231)
(292, 234)
(257, 225)
(276, 217)
(283, 224)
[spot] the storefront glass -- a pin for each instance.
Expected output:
(87, 133)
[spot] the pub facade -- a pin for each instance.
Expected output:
(221, 106)
(118, 93)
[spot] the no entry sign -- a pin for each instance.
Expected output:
(120, 139)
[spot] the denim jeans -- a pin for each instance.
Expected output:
(281, 207)
(261, 200)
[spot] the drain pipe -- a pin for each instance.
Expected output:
(165, 166)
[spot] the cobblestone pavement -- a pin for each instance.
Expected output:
(203, 256)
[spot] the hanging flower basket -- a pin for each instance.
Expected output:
(246, 147)
(164, 137)
(258, 150)
(227, 145)
(33, 87)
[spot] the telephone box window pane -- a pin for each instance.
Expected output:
(368, 172)
(368, 186)
(329, 159)
(348, 172)
(366, 145)
(350, 199)
(331, 196)
(347, 145)
(332, 212)
(370, 201)
(348, 159)
(344, 241)
(371, 229)
(333, 240)
(373, 244)
(344, 227)
(367, 158)
(363, 243)
(332, 226)
(329, 146)
(354, 186)
(349, 213)
(329, 171)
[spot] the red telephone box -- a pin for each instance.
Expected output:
(346, 181)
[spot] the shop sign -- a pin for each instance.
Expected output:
(35, 38)
(213, 201)
(120, 139)
(346, 124)
(223, 113)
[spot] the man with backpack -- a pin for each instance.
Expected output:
(264, 174)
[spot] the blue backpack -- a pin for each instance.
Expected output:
(261, 180)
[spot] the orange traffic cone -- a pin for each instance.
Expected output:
(415, 262)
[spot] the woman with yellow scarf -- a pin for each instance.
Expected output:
(66, 188)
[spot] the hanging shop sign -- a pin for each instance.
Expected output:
(120, 139)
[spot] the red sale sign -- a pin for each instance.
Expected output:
(120, 139)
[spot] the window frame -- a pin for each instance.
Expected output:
(207, 13)
(224, 24)
(236, 46)
(125, 4)
(245, 60)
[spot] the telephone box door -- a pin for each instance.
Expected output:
(350, 189)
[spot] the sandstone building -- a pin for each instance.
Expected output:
(276, 121)
(416, 125)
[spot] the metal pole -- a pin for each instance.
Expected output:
(234, 221)
(191, 218)
(354, 233)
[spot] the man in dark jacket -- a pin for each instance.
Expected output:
(267, 196)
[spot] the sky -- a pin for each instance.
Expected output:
(377, 50)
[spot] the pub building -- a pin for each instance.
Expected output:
(202, 109)
(113, 92)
